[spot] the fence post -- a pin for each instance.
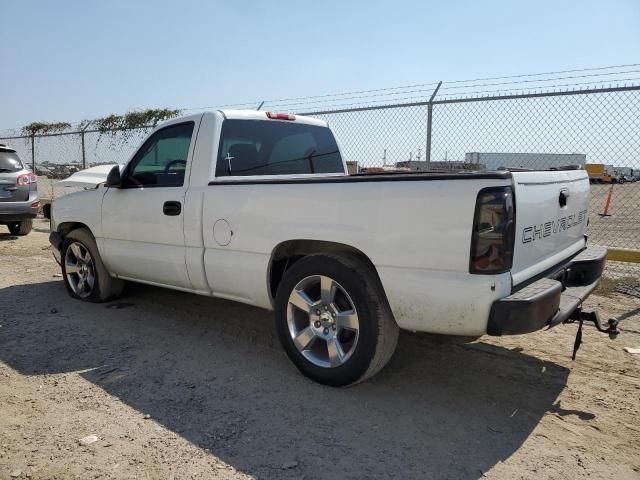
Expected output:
(84, 158)
(427, 153)
(33, 153)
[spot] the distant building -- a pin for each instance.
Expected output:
(413, 165)
(497, 160)
(419, 166)
(457, 166)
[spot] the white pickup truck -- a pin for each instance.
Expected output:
(257, 207)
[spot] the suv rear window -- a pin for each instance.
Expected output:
(260, 147)
(10, 162)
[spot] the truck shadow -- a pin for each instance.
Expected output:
(213, 372)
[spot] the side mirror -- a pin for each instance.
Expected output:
(114, 179)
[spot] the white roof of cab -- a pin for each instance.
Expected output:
(262, 115)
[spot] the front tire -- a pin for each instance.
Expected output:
(85, 276)
(333, 319)
(21, 228)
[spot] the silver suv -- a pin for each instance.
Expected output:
(19, 201)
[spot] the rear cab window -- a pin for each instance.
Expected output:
(263, 147)
(10, 162)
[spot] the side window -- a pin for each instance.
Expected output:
(162, 160)
(261, 147)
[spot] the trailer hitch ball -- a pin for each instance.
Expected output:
(613, 328)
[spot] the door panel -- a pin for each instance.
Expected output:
(143, 220)
(141, 241)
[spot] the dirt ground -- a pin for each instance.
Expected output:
(181, 386)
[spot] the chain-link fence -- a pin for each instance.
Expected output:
(598, 129)
(56, 156)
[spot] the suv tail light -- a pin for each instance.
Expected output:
(26, 179)
(280, 116)
(493, 231)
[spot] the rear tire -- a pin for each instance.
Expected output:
(358, 319)
(21, 228)
(85, 276)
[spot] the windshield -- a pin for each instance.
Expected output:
(257, 147)
(10, 162)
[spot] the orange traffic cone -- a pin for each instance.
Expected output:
(605, 213)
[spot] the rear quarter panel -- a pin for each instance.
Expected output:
(416, 233)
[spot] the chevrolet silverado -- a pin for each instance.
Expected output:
(257, 207)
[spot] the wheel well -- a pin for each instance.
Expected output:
(66, 227)
(289, 252)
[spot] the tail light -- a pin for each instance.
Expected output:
(493, 231)
(280, 116)
(26, 179)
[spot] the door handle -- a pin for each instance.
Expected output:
(172, 208)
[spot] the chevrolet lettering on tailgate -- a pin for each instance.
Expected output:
(552, 227)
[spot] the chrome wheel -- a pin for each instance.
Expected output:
(322, 321)
(79, 269)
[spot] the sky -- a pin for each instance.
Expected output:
(74, 60)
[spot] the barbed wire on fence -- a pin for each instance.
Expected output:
(606, 75)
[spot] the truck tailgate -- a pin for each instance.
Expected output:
(551, 218)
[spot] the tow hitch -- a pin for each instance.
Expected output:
(581, 316)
